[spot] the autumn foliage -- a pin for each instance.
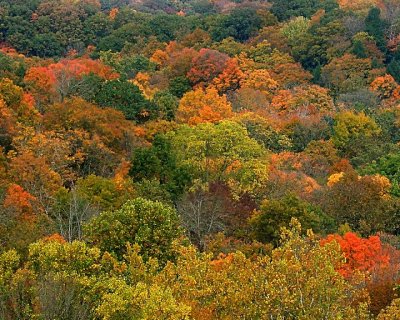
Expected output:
(205, 159)
(203, 105)
(378, 260)
(361, 254)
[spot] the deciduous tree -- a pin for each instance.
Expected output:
(203, 105)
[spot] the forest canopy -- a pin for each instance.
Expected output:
(199, 159)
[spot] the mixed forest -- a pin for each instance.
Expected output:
(199, 159)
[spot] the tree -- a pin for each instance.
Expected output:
(102, 193)
(21, 201)
(167, 105)
(144, 82)
(159, 162)
(379, 261)
(35, 176)
(298, 273)
(241, 24)
(144, 301)
(23, 218)
(179, 86)
(103, 124)
(288, 9)
(11, 93)
(375, 26)
(64, 289)
(260, 80)
(98, 26)
(152, 225)
(361, 254)
(177, 60)
(7, 124)
(12, 67)
(126, 97)
(66, 20)
(203, 105)
(275, 214)
(365, 46)
(362, 202)
(206, 66)
(202, 214)
(347, 73)
(295, 29)
(384, 86)
(229, 46)
(64, 78)
(9, 261)
(350, 126)
(223, 152)
(108, 4)
(231, 78)
(356, 5)
(391, 311)
(290, 74)
(394, 66)
(303, 102)
(70, 211)
(388, 166)
(359, 50)
(197, 39)
(42, 82)
(319, 158)
(263, 131)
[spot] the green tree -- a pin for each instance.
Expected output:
(358, 137)
(349, 125)
(109, 4)
(152, 225)
(166, 104)
(275, 214)
(261, 130)
(362, 202)
(393, 66)
(97, 27)
(375, 26)
(46, 45)
(127, 65)
(179, 86)
(388, 166)
(287, 9)
(159, 162)
(359, 50)
(223, 152)
(240, 24)
(101, 192)
(126, 97)
(89, 87)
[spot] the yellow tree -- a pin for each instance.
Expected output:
(390, 313)
(298, 281)
(260, 80)
(350, 126)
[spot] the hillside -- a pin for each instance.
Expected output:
(199, 159)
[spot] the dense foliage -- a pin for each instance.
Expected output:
(199, 159)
